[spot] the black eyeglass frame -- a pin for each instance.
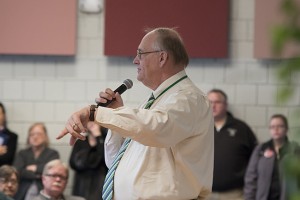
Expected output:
(54, 176)
(139, 53)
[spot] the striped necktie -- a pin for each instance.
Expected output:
(107, 192)
(150, 102)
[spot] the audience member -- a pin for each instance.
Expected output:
(88, 162)
(264, 176)
(164, 148)
(234, 143)
(31, 161)
(55, 178)
(8, 182)
(8, 140)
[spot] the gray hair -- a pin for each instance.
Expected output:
(170, 41)
(54, 163)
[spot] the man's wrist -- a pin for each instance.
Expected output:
(92, 112)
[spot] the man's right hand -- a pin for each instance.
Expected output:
(76, 124)
(108, 94)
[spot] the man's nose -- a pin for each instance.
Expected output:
(136, 60)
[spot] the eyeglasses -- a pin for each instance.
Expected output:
(6, 181)
(216, 102)
(139, 53)
(277, 127)
(54, 176)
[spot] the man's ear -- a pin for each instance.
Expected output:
(163, 57)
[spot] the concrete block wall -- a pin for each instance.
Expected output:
(49, 89)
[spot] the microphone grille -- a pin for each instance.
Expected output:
(128, 83)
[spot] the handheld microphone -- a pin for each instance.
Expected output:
(127, 84)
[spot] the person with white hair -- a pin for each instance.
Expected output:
(55, 178)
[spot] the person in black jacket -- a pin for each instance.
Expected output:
(234, 143)
(87, 160)
(8, 140)
(31, 161)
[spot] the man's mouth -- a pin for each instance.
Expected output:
(57, 184)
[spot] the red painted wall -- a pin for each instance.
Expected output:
(203, 25)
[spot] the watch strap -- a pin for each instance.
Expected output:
(92, 112)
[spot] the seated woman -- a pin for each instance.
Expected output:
(31, 161)
(87, 160)
(8, 182)
(263, 179)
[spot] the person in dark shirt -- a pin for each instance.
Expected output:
(234, 143)
(88, 162)
(8, 140)
(264, 176)
(31, 161)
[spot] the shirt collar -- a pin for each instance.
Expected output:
(49, 198)
(168, 82)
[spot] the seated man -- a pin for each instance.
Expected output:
(55, 177)
(8, 182)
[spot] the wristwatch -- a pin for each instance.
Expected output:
(92, 112)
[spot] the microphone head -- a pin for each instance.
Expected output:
(128, 83)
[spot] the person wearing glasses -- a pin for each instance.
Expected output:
(8, 182)
(31, 161)
(264, 179)
(55, 178)
(164, 148)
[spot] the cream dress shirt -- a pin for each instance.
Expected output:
(171, 153)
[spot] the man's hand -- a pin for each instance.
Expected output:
(78, 121)
(3, 149)
(94, 129)
(76, 124)
(109, 95)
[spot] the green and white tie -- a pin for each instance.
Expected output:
(107, 192)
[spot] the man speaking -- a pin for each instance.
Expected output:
(164, 148)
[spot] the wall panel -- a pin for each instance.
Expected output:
(202, 24)
(34, 27)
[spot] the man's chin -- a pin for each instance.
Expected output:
(138, 78)
(10, 194)
(57, 188)
(56, 192)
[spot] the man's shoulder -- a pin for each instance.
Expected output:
(70, 197)
(237, 121)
